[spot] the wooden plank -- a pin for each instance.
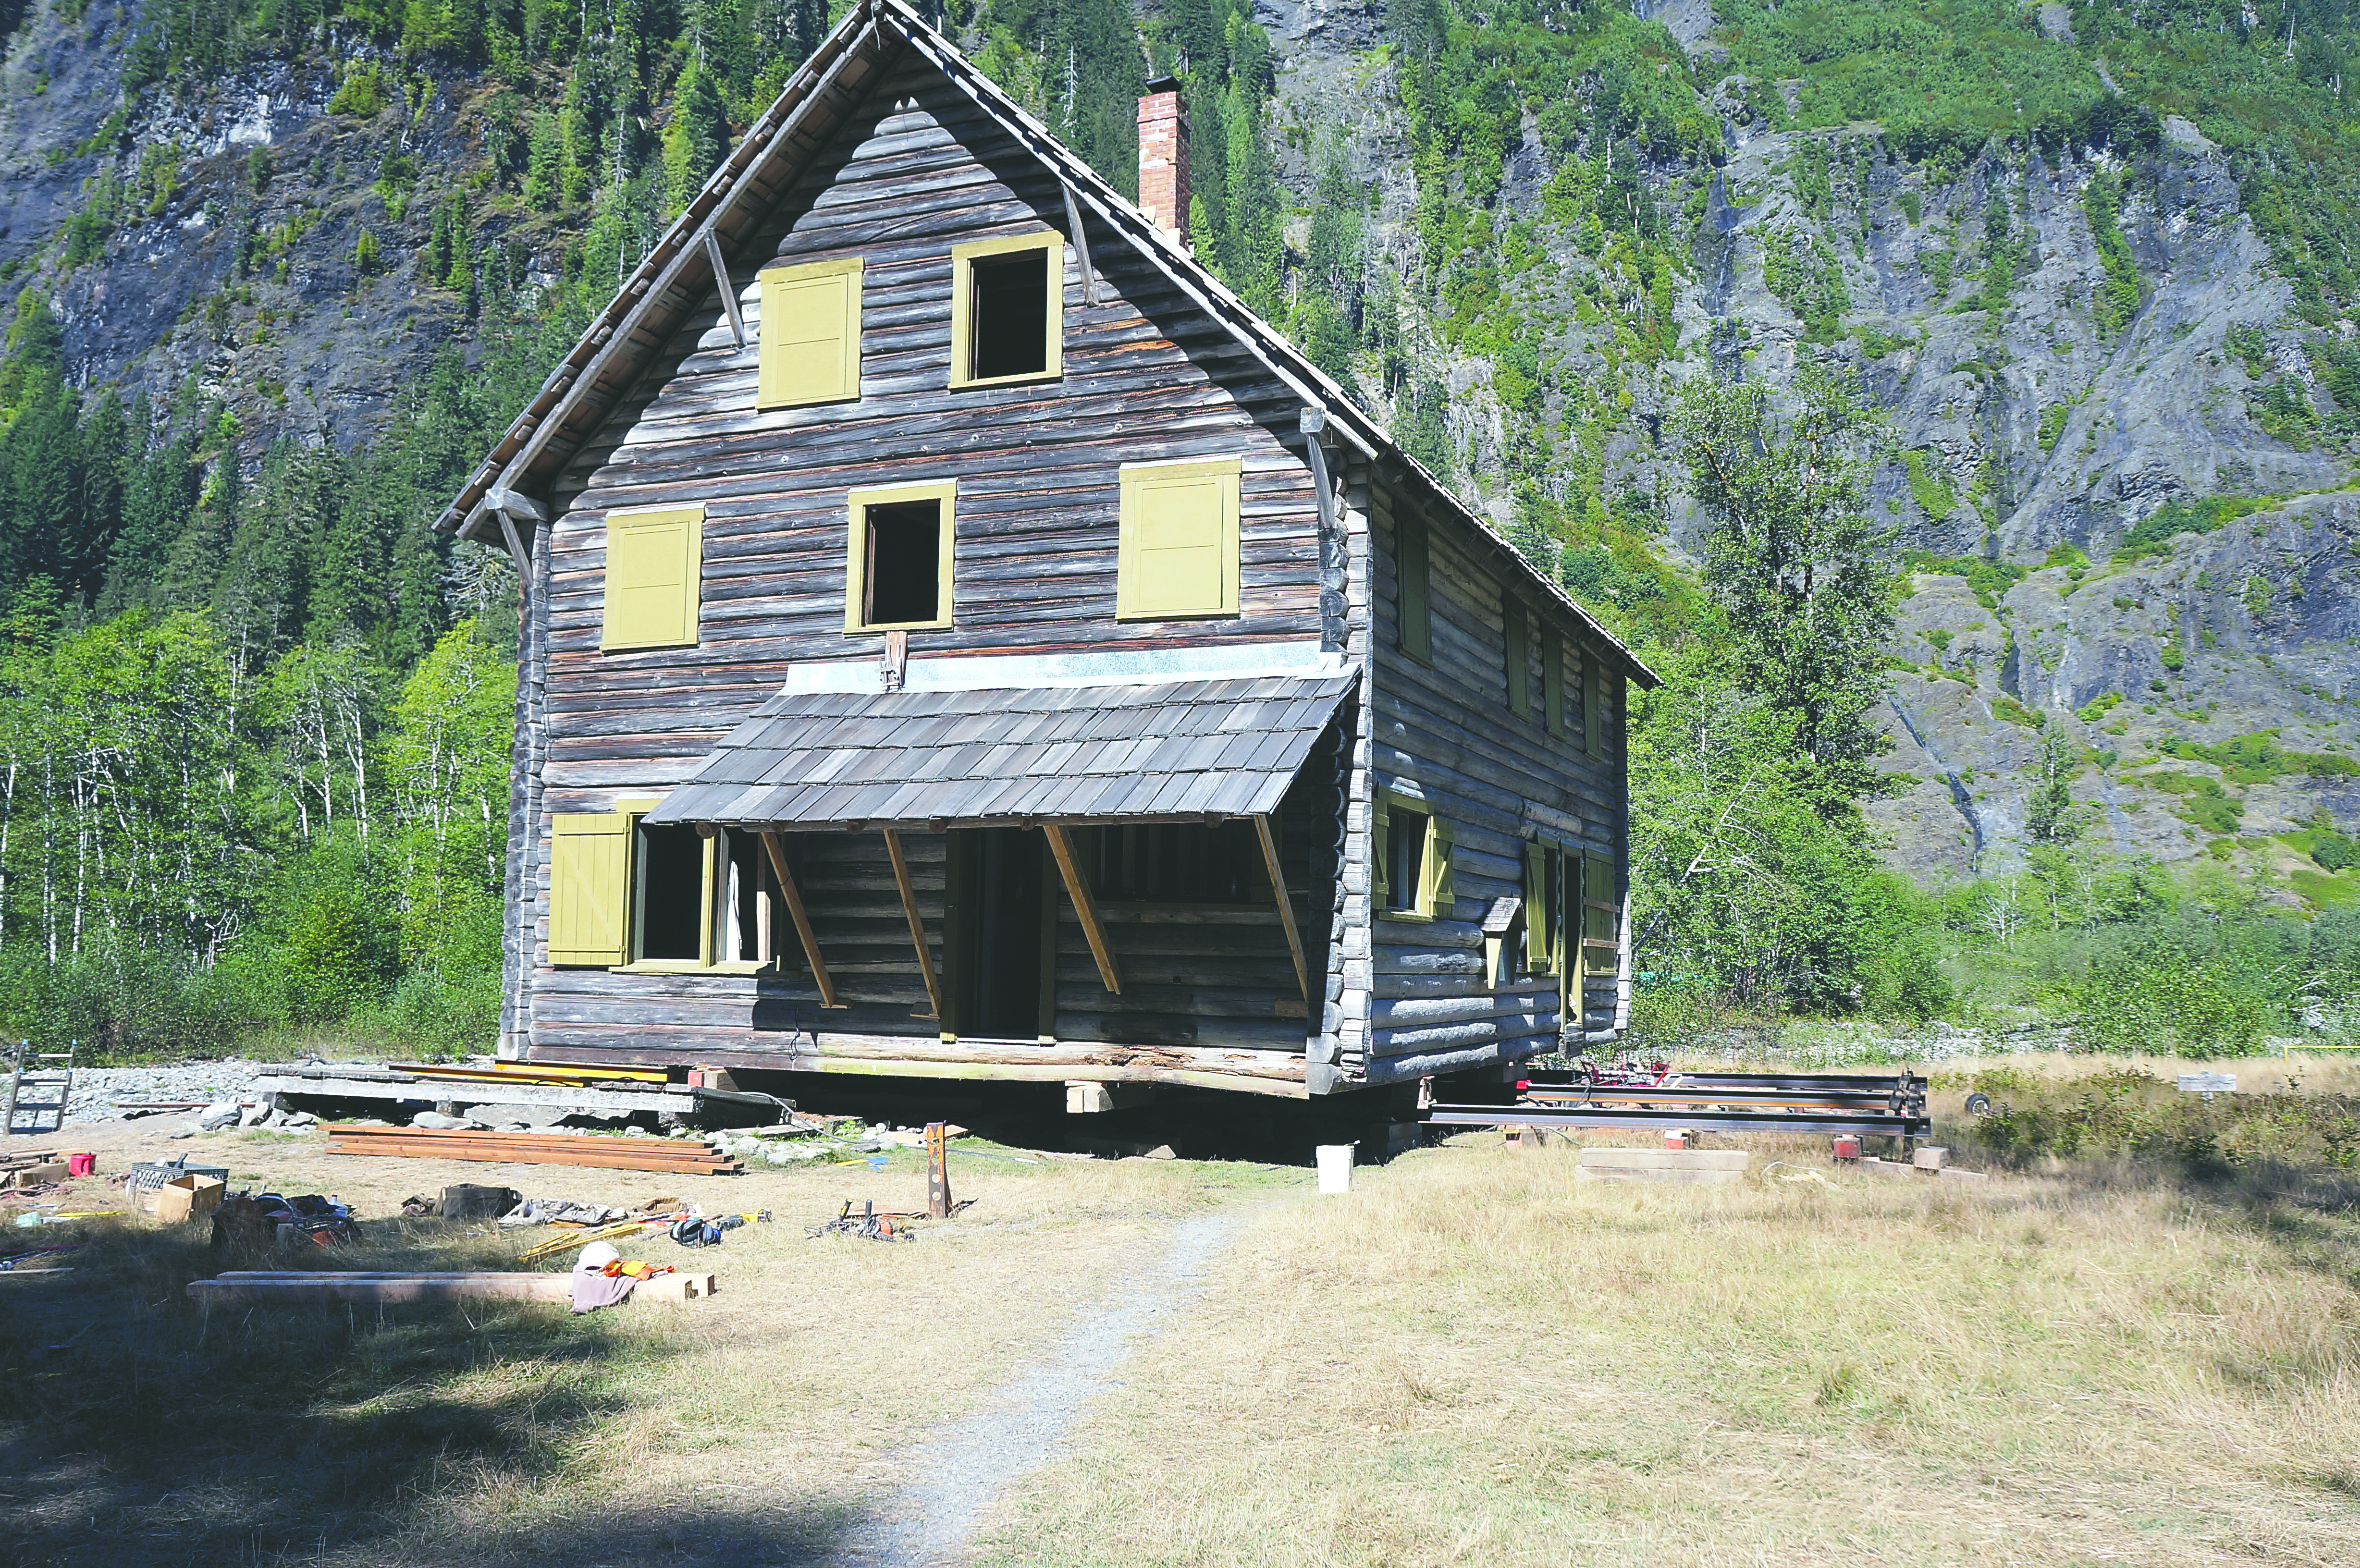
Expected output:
(917, 923)
(725, 286)
(1084, 905)
(1285, 903)
(802, 917)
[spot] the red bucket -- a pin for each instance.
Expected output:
(81, 1163)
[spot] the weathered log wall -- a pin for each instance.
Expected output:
(1444, 732)
(1146, 378)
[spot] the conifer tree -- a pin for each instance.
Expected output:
(544, 164)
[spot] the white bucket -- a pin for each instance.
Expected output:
(1335, 1167)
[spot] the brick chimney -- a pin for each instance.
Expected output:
(1164, 159)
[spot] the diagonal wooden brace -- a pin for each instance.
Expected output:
(917, 924)
(1285, 904)
(1084, 905)
(802, 921)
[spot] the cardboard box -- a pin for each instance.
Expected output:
(34, 1175)
(187, 1198)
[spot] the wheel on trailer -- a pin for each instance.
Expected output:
(1979, 1105)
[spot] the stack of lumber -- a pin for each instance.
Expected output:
(298, 1288)
(557, 1075)
(685, 1159)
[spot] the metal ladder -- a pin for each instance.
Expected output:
(40, 1070)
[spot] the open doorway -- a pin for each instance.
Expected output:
(1002, 934)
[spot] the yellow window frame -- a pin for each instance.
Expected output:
(1220, 480)
(1437, 876)
(963, 261)
(856, 568)
(624, 626)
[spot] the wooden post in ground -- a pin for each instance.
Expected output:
(938, 1170)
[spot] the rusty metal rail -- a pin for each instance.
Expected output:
(1892, 1107)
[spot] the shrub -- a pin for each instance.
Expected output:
(2122, 1111)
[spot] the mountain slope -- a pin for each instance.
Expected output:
(2095, 263)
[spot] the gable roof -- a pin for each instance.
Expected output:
(673, 280)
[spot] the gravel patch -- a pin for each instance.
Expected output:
(1022, 1424)
(97, 1091)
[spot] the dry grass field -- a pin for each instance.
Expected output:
(1470, 1358)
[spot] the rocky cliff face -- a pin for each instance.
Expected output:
(191, 271)
(2047, 411)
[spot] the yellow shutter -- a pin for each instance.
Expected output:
(1601, 916)
(1552, 684)
(1541, 947)
(589, 888)
(810, 335)
(1441, 876)
(1515, 639)
(1593, 731)
(1412, 603)
(1178, 541)
(653, 563)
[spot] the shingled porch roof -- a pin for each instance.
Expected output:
(1184, 750)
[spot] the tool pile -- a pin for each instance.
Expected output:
(868, 1224)
(684, 1159)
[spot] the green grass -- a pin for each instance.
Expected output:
(2259, 758)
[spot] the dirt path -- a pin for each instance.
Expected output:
(969, 1466)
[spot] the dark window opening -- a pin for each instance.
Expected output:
(901, 575)
(1177, 862)
(1404, 859)
(671, 894)
(1007, 315)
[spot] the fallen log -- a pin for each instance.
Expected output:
(265, 1288)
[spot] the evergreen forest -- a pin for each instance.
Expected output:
(254, 716)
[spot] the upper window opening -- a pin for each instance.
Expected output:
(898, 570)
(903, 581)
(1010, 308)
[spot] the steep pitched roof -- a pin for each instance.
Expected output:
(673, 280)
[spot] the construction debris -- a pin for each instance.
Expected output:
(573, 1239)
(868, 1225)
(516, 1095)
(532, 1148)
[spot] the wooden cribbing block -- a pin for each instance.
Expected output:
(1694, 1167)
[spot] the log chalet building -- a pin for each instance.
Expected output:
(962, 641)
